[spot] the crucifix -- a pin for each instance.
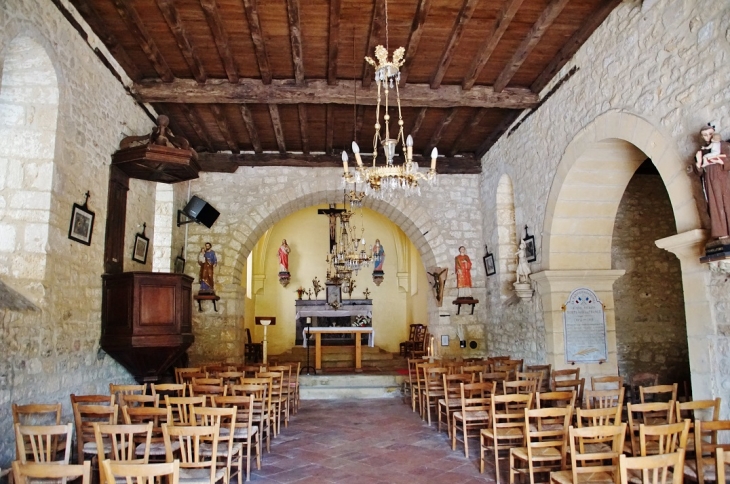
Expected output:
(333, 213)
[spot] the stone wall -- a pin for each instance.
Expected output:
(53, 352)
(651, 333)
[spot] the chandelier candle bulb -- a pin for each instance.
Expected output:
(344, 162)
(356, 151)
(434, 155)
(409, 148)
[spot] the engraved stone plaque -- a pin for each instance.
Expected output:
(585, 328)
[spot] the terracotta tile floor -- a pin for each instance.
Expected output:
(367, 441)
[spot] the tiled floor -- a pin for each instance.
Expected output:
(366, 441)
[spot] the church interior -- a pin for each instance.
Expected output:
(190, 183)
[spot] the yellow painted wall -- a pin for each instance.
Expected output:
(399, 301)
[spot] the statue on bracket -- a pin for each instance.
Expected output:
(523, 288)
(438, 282)
(462, 268)
(284, 275)
(207, 261)
(712, 162)
(378, 262)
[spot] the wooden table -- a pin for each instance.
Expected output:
(317, 332)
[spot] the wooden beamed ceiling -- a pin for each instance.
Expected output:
(284, 82)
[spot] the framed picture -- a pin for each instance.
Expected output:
(179, 265)
(82, 224)
(444, 340)
(530, 251)
(489, 264)
(334, 295)
(139, 254)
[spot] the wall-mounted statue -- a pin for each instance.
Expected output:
(284, 275)
(438, 282)
(207, 261)
(713, 163)
(462, 268)
(523, 288)
(378, 262)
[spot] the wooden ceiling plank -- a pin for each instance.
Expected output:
(304, 127)
(467, 9)
(330, 133)
(414, 38)
(110, 41)
(497, 133)
(295, 33)
(417, 123)
(253, 134)
(225, 162)
(172, 17)
(444, 123)
(135, 24)
(466, 133)
(334, 41)
(568, 50)
(491, 39)
(257, 37)
(220, 36)
(547, 17)
(253, 91)
(375, 28)
(197, 124)
(278, 129)
(220, 119)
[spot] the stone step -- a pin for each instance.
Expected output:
(359, 386)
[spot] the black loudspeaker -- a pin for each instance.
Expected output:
(201, 211)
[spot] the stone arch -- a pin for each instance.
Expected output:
(29, 101)
(506, 235)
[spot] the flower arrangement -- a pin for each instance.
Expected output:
(300, 291)
(361, 322)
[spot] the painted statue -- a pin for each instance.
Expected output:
(378, 256)
(207, 261)
(462, 268)
(711, 162)
(284, 251)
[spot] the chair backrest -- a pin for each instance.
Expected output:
(45, 472)
(187, 377)
(530, 375)
(658, 393)
(644, 380)
(519, 386)
(36, 414)
(585, 460)
(598, 417)
(722, 459)
(85, 415)
(509, 410)
(709, 436)
(119, 442)
(655, 469)
(555, 399)
(607, 382)
(208, 391)
(604, 398)
(190, 438)
(475, 397)
(172, 389)
(139, 400)
(565, 374)
(567, 385)
(221, 417)
(141, 473)
(40, 443)
(496, 377)
(181, 408)
(179, 372)
(545, 370)
(547, 428)
(119, 390)
(508, 366)
(154, 415)
(243, 409)
(434, 380)
(657, 413)
(275, 387)
(663, 439)
(704, 410)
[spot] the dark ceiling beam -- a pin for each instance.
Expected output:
(170, 13)
(220, 119)
(573, 44)
(304, 127)
(220, 36)
(330, 133)
(295, 34)
(467, 9)
(253, 134)
(136, 26)
(278, 130)
(417, 123)
(197, 124)
(466, 133)
(414, 38)
(546, 19)
(259, 46)
(317, 91)
(334, 41)
(491, 39)
(99, 27)
(439, 132)
(376, 26)
(506, 122)
(228, 163)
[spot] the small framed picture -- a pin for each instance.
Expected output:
(444, 340)
(82, 224)
(139, 254)
(489, 264)
(530, 251)
(334, 295)
(179, 265)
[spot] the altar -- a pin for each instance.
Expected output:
(352, 313)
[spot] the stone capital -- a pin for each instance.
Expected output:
(687, 245)
(565, 281)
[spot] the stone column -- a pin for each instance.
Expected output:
(554, 287)
(701, 328)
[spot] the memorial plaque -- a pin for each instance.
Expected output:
(585, 328)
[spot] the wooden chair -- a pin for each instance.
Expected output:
(194, 467)
(722, 459)
(555, 399)
(598, 417)
(411, 385)
(187, 377)
(286, 380)
(23, 473)
(225, 419)
(546, 431)
(407, 346)
(172, 389)
(568, 385)
(139, 400)
(507, 427)
(141, 473)
(179, 372)
(604, 398)
(181, 408)
(452, 398)
(475, 399)
(657, 413)
(566, 374)
(253, 352)
(85, 415)
(545, 370)
(705, 410)
(654, 469)
(530, 375)
(658, 393)
(294, 387)
(41, 443)
(118, 390)
(709, 437)
(663, 439)
(261, 414)
(38, 414)
(208, 390)
(588, 466)
(434, 383)
(608, 382)
(246, 433)
(119, 443)
(421, 384)
(641, 380)
(524, 387)
(508, 366)
(155, 416)
(496, 377)
(279, 400)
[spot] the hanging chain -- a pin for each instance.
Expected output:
(387, 40)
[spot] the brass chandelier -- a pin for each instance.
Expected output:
(348, 255)
(386, 181)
